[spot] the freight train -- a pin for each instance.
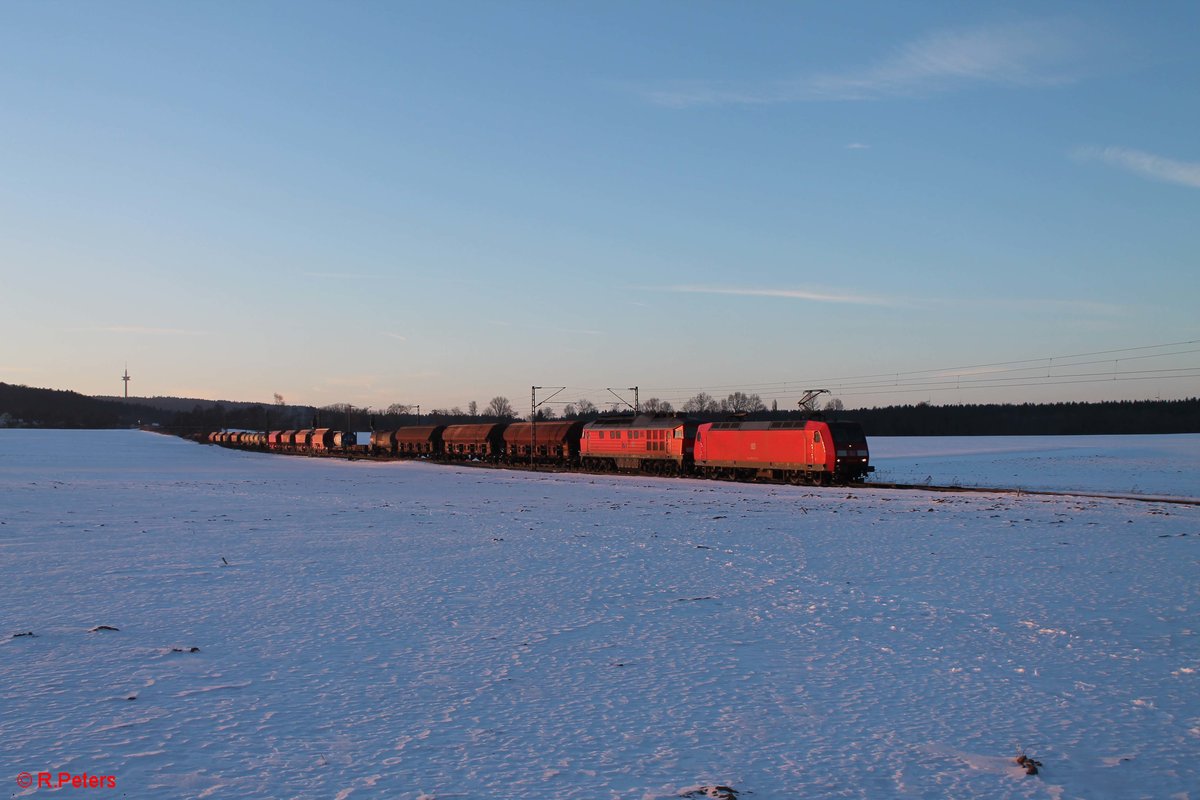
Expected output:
(791, 451)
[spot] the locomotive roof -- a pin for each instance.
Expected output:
(840, 427)
(641, 421)
(761, 425)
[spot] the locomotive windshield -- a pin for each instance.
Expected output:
(848, 433)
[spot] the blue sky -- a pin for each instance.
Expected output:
(438, 203)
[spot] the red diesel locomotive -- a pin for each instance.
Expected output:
(657, 445)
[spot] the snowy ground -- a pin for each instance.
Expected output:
(406, 630)
(1141, 465)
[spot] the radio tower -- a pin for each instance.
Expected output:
(126, 379)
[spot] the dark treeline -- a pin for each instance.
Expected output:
(1032, 419)
(206, 417)
(23, 406)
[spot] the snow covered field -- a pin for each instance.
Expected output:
(407, 630)
(1166, 466)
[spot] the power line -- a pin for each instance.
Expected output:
(1050, 371)
(899, 378)
(1036, 383)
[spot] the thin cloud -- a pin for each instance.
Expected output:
(398, 337)
(364, 382)
(1045, 305)
(139, 330)
(791, 294)
(1086, 307)
(1071, 307)
(338, 275)
(1022, 54)
(1148, 165)
(584, 331)
(858, 146)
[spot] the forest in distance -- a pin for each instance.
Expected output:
(26, 407)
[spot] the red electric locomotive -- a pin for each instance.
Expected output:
(795, 451)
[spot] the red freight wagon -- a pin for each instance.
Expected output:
(419, 440)
(485, 440)
(557, 442)
(322, 439)
(790, 450)
(646, 443)
(383, 443)
(275, 440)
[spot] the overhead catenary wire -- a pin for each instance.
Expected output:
(1053, 370)
(1032, 362)
(1015, 373)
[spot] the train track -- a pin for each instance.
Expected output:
(922, 487)
(1018, 491)
(916, 487)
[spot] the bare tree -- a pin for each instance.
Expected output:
(700, 404)
(473, 408)
(278, 399)
(398, 408)
(739, 403)
(569, 411)
(585, 407)
(656, 406)
(834, 404)
(545, 412)
(500, 407)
